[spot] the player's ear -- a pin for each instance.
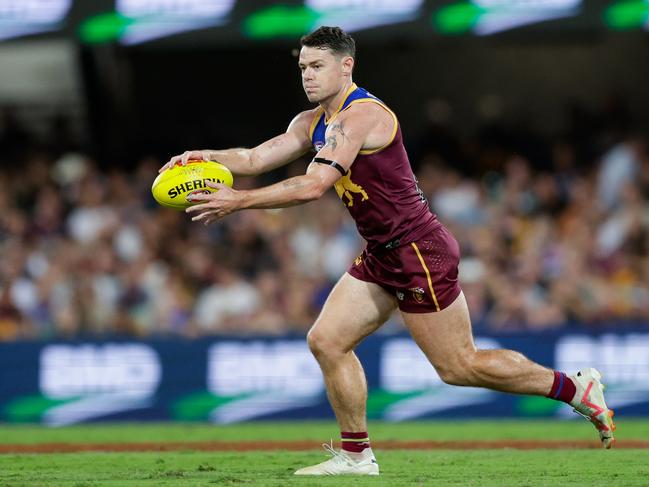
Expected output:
(348, 65)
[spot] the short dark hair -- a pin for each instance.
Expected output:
(333, 38)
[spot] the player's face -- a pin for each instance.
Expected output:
(323, 73)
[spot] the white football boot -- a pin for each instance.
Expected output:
(589, 402)
(343, 464)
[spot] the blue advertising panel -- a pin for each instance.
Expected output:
(228, 380)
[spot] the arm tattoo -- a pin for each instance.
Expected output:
(276, 142)
(332, 142)
(338, 127)
(292, 183)
(332, 138)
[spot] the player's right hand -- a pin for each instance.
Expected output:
(185, 157)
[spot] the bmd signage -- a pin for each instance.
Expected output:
(93, 380)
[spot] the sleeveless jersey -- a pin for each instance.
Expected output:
(380, 190)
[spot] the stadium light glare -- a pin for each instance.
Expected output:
(355, 15)
(102, 28)
(351, 15)
(457, 19)
(279, 21)
(486, 17)
(137, 21)
(630, 14)
(161, 18)
(20, 17)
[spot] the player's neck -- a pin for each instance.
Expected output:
(333, 103)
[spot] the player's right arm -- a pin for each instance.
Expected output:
(271, 154)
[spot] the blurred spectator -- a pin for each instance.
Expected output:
(85, 252)
(619, 167)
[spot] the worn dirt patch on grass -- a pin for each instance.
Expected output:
(306, 445)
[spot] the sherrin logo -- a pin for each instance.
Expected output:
(191, 186)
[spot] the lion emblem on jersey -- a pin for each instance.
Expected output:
(346, 188)
(417, 293)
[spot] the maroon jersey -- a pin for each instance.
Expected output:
(380, 189)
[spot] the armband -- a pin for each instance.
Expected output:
(334, 164)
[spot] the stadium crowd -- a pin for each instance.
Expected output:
(87, 252)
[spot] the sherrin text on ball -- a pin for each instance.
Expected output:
(173, 187)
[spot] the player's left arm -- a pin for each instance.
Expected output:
(345, 137)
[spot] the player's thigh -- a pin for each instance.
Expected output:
(353, 310)
(445, 336)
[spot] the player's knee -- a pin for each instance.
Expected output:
(321, 343)
(313, 340)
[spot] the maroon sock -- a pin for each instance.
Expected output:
(563, 388)
(354, 442)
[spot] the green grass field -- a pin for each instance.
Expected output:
(496, 467)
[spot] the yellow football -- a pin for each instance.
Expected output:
(172, 187)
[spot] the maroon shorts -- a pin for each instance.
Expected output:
(422, 275)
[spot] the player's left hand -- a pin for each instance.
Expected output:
(211, 207)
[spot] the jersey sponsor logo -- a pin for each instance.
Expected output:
(318, 145)
(346, 189)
